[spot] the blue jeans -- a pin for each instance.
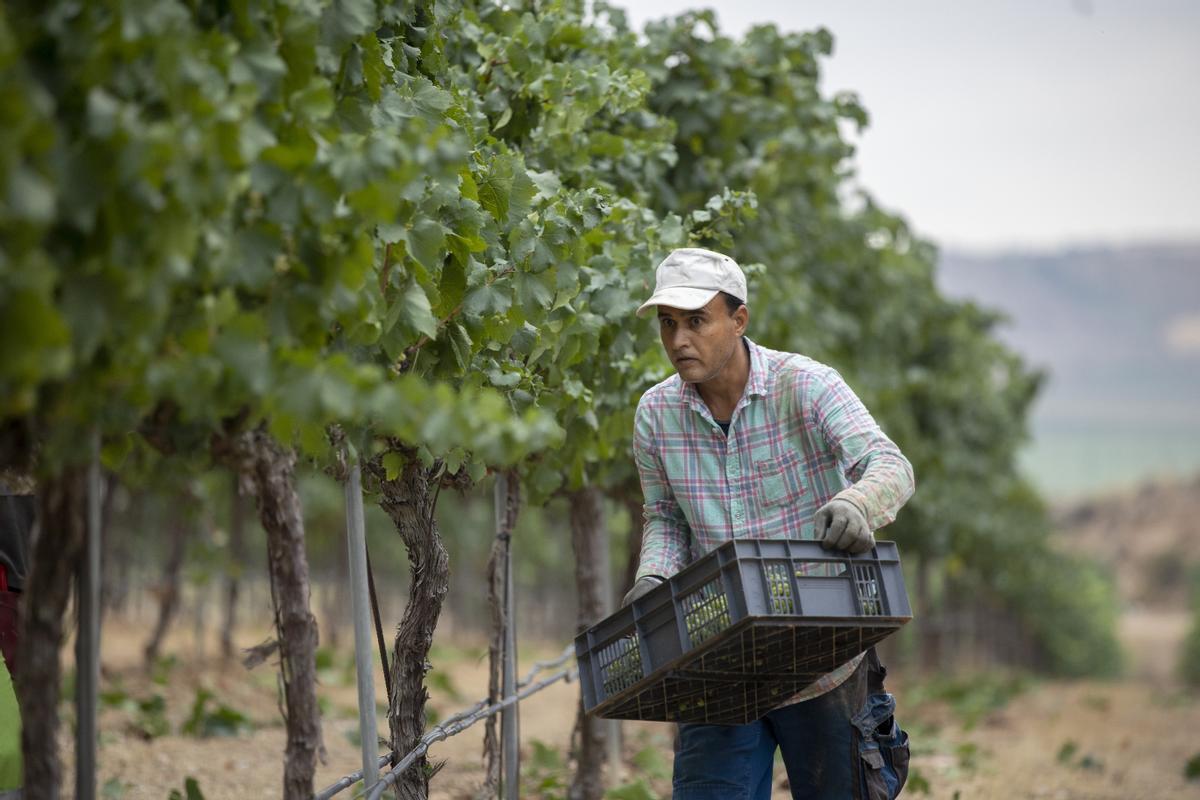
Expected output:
(843, 745)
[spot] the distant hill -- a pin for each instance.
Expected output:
(1148, 536)
(1118, 330)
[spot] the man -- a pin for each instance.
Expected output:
(749, 442)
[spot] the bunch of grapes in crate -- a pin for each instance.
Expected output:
(624, 670)
(872, 607)
(707, 614)
(687, 705)
(779, 589)
(867, 583)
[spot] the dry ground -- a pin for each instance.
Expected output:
(1071, 740)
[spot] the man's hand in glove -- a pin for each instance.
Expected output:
(641, 587)
(841, 525)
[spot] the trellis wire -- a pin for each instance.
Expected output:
(456, 724)
(445, 732)
(349, 780)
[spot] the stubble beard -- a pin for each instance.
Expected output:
(713, 373)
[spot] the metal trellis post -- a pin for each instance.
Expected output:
(364, 660)
(612, 742)
(510, 770)
(87, 642)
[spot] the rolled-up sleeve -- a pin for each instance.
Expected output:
(666, 535)
(881, 477)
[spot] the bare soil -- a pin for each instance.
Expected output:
(1059, 740)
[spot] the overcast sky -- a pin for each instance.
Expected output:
(1013, 123)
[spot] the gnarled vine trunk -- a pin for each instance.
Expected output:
(237, 557)
(168, 589)
(271, 470)
(116, 557)
(589, 540)
(409, 500)
(60, 533)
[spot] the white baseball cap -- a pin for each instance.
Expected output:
(691, 277)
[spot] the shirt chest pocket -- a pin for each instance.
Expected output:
(779, 479)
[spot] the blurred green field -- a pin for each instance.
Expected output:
(1071, 462)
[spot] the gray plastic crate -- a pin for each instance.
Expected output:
(739, 631)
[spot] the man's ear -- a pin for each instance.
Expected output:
(741, 319)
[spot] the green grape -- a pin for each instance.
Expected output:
(624, 670)
(780, 591)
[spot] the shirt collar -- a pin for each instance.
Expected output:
(758, 383)
(760, 376)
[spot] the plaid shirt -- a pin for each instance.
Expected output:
(798, 438)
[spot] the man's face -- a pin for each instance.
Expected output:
(701, 342)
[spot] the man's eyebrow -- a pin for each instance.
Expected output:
(701, 312)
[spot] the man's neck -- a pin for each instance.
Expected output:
(722, 393)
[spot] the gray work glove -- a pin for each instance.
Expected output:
(841, 525)
(641, 587)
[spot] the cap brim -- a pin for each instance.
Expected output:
(681, 297)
